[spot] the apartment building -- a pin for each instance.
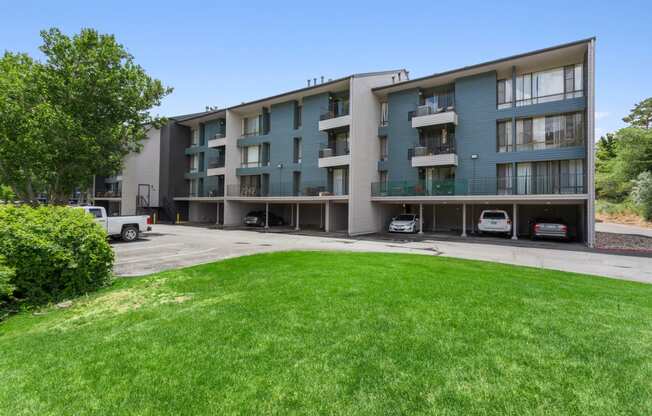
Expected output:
(349, 154)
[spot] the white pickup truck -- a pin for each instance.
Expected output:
(128, 228)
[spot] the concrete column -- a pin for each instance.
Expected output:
(296, 226)
(420, 218)
(514, 222)
(327, 221)
(463, 220)
(434, 218)
(266, 215)
(217, 216)
(291, 215)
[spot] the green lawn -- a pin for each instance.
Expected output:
(337, 333)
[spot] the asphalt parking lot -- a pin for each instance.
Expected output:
(173, 246)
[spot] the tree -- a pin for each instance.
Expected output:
(633, 147)
(641, 114)
(642, 193)
(73, 116)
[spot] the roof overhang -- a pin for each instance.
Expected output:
(526, 62)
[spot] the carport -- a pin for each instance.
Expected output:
(461, 214)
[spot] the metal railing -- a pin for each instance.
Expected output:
(258, 164)
(288, 189)
(339, 110)
(216, 163)
(334, 150)
(513, 185)
(429, 150)
(218, 135)
(549, 98)
(523, 147)
(215, 192)
(108, 194)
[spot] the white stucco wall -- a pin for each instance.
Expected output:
(142, 168)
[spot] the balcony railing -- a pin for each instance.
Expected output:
(524, 147)
(257, 164)
(108, 194)
(444, 105)
(339, 110)
(215, 192)
(288, 189)
(428, 150)
(334, 150)
(515, 185)
(216, 163)
(549, 98)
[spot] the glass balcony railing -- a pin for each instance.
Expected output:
(525, 147)
(549, 98)
(515, 185)
(289, 189)
(216, 163)
(336, 149)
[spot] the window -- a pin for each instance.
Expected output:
(504, 136)
(524, 134)
(251, 125)
(298, 150)
(383, 148)
(504, 93)
(95, 212)
(296, 183)
(193, 187)
(505, 182)
(194, 163)
(298, 115)
(384, 114)
(194, 137)
(251, 156)
(383, 176)
(549, 85)
(340, 181)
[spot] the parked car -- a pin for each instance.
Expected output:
(257, 219)
(128, 227)
(404, 223)
(549, 228)
(495, 221)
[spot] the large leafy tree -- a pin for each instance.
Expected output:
(72, 116)
(641, 114)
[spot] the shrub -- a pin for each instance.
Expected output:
(642, 193)
(51, 253)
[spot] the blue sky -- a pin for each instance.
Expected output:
(223, 53)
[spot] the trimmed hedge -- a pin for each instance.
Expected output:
(51, 253)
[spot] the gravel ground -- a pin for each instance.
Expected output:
(624, 242)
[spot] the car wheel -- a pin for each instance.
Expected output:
(129, 233)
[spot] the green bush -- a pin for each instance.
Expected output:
(51, 253)
(642, 193)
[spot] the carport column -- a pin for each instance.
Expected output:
(217, 217)
(434, 218)
(296, 226)
(515, 222)
(327, 220)
(420, 218)
(463, 220)
(267, 215)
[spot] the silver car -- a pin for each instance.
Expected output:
(404, 223)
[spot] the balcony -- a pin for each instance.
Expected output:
(218, 140)
(427, 156)
(567, 184)
(289, 189)
(426, 115)
(215, 167)
(334, 155)
(108, 194)
(334, 117)
(216, 192)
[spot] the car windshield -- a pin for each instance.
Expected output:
(494, 215)
(405, 217)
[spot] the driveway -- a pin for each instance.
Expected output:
(606, 227)
(172, 246)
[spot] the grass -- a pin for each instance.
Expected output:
(337, 333)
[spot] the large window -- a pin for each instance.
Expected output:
(298, 116)
(384, 151)
(547, 177)
(251, 126)
(194, 137)
(251, 156)
(298, 150)
(549, 132)
(504, 93)
(504, 136)
(550, 85)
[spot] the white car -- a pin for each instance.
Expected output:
(404, 223)
(128, 227)
(495, 221)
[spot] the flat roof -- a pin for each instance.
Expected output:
(477, 68)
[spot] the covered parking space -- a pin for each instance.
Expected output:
(461, 215)
(329, 214)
